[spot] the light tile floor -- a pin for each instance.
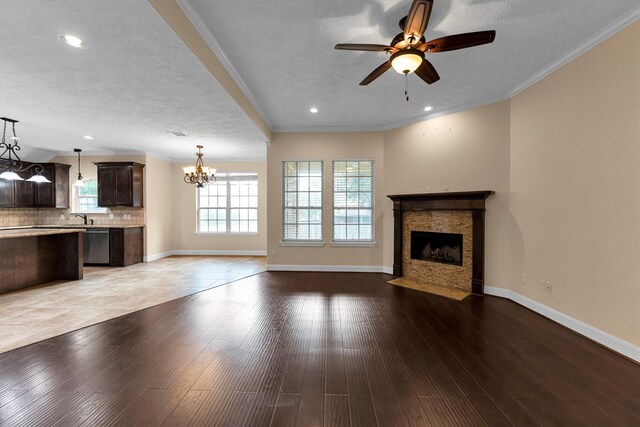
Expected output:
(59, 307)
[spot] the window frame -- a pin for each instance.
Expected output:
(302, 242)
(227, 178)
(353, 242)
(76, 196)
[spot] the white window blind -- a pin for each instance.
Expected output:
(229, 205)
(302, 200)
(353, 200)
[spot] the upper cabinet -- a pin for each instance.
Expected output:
(26, 194)
(56, 193)
(120, 184)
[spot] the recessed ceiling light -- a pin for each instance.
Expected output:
(87, 137)
(176, 133)
(428, 108)
(73, 41)
(314, 110)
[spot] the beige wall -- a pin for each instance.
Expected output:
(575, 182)
(465, 151)
(159, 203)
(564, 160)
(185, 238)
(326, 147)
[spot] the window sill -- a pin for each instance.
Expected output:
(313, 243)
(354, 244)
(226, 234)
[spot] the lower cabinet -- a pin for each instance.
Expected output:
(126, 246)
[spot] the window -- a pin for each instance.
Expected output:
(302, 199)
(353, 201)
(86, 197)
(229, 205)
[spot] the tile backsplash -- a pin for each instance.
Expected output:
(48, 216)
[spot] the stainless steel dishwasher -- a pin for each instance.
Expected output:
(96, 246)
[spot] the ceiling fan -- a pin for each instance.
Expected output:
(407, 49)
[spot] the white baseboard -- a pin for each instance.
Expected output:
(161, 255)
(387, 270)
(157, 256)
(614, 343)
(327, 268)
(220, 252)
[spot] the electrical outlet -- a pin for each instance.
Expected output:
(524, 279)
(274, 253)
(546, 286)
(111, 216)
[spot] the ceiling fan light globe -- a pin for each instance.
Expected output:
(407, 61)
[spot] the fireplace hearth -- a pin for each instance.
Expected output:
(439, 239)
(445, 248)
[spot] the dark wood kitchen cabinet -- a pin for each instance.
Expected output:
(17, 194)
(126, 246)
(56, 193)
(26, 194)
(24, 191)
(120, 184)
(6, 193)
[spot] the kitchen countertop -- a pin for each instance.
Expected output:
(71, 226)
(32, 232)
(88, 226)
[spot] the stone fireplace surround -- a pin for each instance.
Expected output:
(456, 212)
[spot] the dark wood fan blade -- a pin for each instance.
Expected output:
(364, 47)
(427, 73)
(460, 41)
(376, 73)
(417, 19)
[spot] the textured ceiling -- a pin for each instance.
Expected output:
(282, 51)
(136, 81)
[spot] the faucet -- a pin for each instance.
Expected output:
(84, 217)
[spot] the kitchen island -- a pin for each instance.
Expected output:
(33, 256)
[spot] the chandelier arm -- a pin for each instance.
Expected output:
(10, 151)
(37, 167)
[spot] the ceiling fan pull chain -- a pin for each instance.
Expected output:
(406, 85)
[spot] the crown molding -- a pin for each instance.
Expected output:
(588, 44)
(395, 125)
(99, 153)
(154, 155)
(211, 41)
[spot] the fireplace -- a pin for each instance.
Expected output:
(439, 240)
(445, 248)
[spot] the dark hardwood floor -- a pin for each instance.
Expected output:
(317, 349)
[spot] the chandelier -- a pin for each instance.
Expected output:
(200, 175)
(10, 162)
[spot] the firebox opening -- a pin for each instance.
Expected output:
(445, 248)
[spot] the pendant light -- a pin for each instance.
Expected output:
(79, 181)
